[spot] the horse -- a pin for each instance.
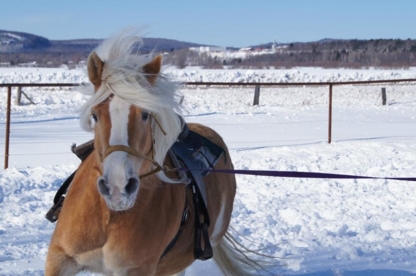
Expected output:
(124, 207)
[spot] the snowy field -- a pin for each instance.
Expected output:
(315, 227)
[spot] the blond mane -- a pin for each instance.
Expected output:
(123, 76)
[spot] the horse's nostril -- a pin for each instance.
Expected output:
(132, 185)
(103, 187)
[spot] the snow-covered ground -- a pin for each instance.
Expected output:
(315, 227)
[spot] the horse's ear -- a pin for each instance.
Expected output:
(152, 69)
(95, 69)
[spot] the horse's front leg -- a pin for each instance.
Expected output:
(60, 264)
(127, 266)
(145, 271)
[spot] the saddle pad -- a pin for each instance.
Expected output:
(203, 153)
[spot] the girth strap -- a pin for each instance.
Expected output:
(178, 234)
(201, 227)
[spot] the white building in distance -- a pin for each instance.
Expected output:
(208, 49)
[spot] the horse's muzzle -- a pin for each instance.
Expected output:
(119, 199)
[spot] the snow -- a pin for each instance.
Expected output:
(314, 226)
(289, 75)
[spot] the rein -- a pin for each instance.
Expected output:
(288, 174)
(291, 174)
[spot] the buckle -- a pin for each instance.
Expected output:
(53, 213)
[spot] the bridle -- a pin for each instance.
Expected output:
(136, 153)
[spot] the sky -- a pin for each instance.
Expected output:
(214, 22)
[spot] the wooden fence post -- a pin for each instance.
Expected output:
(384, 95)
(256, 95)
(19, 95)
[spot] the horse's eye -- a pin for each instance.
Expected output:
(94, 117)
(145, 115)
(93, 120)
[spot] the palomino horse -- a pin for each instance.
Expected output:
(119, 214)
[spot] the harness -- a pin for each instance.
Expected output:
(197, 154)
(192, 153)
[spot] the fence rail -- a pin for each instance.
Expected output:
(197, 83)
(257, 86)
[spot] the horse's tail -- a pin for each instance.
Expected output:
(235, 259)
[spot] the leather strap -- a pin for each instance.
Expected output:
(130, 151)
(133, 152)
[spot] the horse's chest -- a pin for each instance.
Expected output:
(92, 260)
(104, 259)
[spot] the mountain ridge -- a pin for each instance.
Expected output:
(20, 42)
(17, 48)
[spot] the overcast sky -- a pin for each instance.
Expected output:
(215, 22)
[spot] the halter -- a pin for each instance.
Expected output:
(136, 153)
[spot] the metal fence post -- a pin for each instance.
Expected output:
(330, 115)
(8, 110)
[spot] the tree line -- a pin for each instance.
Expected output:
(387, 53)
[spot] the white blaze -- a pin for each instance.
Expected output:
(119, 114)
(118, 167)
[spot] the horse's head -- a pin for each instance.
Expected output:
(122, 112)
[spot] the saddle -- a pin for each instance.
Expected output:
(194, 156)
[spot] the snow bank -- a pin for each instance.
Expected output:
(315, 227)
(190, 74)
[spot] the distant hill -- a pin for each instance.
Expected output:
(17, 48)
(17, 42)
(11, 42)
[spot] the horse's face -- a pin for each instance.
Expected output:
(117, 122)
